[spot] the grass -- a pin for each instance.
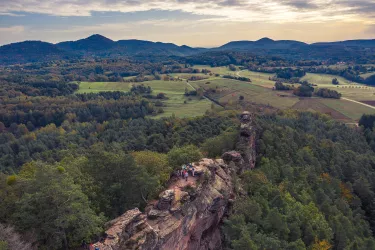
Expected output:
(188, 75)
(228, 91)
(324, 80)
(173, 89)
(216, 70)
(367, 75)
(257, 78)
(349, 109)
(348, 89)
(95, 87)
(358, 92)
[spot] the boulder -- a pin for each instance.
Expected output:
(165, 200)
(155, 213)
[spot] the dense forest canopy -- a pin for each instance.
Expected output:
(70, 161)
(313, 188)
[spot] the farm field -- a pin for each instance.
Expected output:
(188, 75)
(173, 89)
(349, 109)
(325, 80)
(95, 87)
(259, 91)
(348, 89)
(258, 78)
(228, 91)
(367, 75)
(216, 70)
(315, 104)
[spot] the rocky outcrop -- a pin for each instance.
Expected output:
(245, 156)
(187, 215)
(129, 231)
(246, 145)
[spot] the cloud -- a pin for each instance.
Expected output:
(10, 14)
(301, 4)
(240, 10)
(12, 29)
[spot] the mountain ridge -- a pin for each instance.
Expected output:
(100, 46)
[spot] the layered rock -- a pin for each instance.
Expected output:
(247, 141)
(185, 217)
(188, 214)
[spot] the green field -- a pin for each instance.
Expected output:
(324, 80)
(349, 109)
(367, 75)
(216, 70)
(228, 91)
(95, 87)
(173, 89)
(348, 89)
(258, 78)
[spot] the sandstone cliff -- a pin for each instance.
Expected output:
(188, 214)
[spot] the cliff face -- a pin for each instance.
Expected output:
(187, 215)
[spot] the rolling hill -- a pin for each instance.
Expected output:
(32, 51)
(100, 46)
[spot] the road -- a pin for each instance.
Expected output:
(363, 104)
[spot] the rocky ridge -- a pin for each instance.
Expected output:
(188, 214)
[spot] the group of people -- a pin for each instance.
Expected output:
(184, 172)
(89, 246)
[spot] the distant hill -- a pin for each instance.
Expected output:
(264, 43)
(289, 49)
(351, 43)
(32, 51)
(100, 46)
(92, 43)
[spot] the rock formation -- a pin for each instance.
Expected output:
(245, 157)
(188, 214)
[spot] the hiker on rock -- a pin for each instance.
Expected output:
(186, 175)
(192, 171)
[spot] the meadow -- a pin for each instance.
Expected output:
(177, 103)
(259, 90)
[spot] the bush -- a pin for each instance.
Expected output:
(240, 78)
(11, 179)
(304, 91)
(183, 155)
(280, 86)
(215, 147)
(289, 73)
(156, 164)
(328, 93)
(335, 81)
(367, 121)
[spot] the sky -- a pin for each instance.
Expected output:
(199, 23)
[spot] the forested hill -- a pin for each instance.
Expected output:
(100, 46)
(313, 188)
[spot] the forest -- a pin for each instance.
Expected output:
(313, 187)
(71, 161)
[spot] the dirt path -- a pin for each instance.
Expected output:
(238, 73)
(364, 104)
(188, 83)
(181, 183)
